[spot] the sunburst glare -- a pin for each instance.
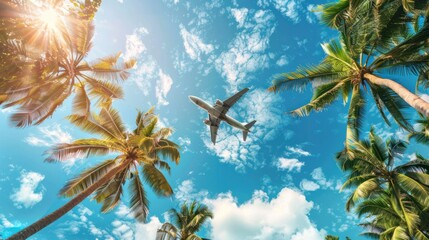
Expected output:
(49, 26)
(50, 19)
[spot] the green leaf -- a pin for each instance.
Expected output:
(139, 204)
(157, 180)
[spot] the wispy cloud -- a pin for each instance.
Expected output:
(319, 181)
(147, 71)
(49, 136)
(185, 192)
(291, 9)
(296, 151)
(289, 164)
(26, 195)
(247, 51)
(193, 44)
(184, 143)
(308, 185)
(81, 220)
(163, 87)
(125, 227)
(8, 227)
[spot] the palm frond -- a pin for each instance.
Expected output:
(167, 232)
(322, 96)
(354, 118)
(81, 103)
(139, 204)
(418, 190)
(107, 68)
(363, 190)
(103, 90)
(87, 178)
(393, 103)
(109, 118)
(110, 193)
(169, 152)
(299, 79)
(92, 125)
(79, 148)
(156, 180)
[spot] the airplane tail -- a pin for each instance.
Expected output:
(247, 126)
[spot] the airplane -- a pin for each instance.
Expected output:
(217, 113)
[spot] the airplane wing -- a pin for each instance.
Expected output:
(230, 101)
(213, 128)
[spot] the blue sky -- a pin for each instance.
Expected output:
(282, 183)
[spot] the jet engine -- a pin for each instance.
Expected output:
(207, 122)
(219, 102)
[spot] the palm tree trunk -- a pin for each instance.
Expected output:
(48, 219)
(412, 99)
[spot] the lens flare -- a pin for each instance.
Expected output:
(50, 19)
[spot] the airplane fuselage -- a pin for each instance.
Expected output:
(217, 114)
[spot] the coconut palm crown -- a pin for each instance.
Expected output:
(37, 74)
(186, 222)
(133, 155)
(374, 43)
(373, 176)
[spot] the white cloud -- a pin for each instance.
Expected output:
(185, 192)
(256, 105)
(81, 221)
(309, 233)
(288, 217)
(26, 196)
(246, 53)
(282, 61)
(50, 135)
(289, 8)
(307, 185)
(193, 44)
(184, 143)
(318, 175)
(289, 164)
(125, 227)
(297, 151)
(148, 230)
(320, 182)
(147, 70)
(343, 227)
(163, 87)
(134, 45)
(8, 227)
(312, 15)
(5, 223)
(240, 15)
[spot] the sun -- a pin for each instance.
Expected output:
(49, 18)
(49, 26)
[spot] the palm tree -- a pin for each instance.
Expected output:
(330, 237)
(186, 223)
(144, 147)
(373, 172)
(385, 221)
(44, 77)
(369, 45)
